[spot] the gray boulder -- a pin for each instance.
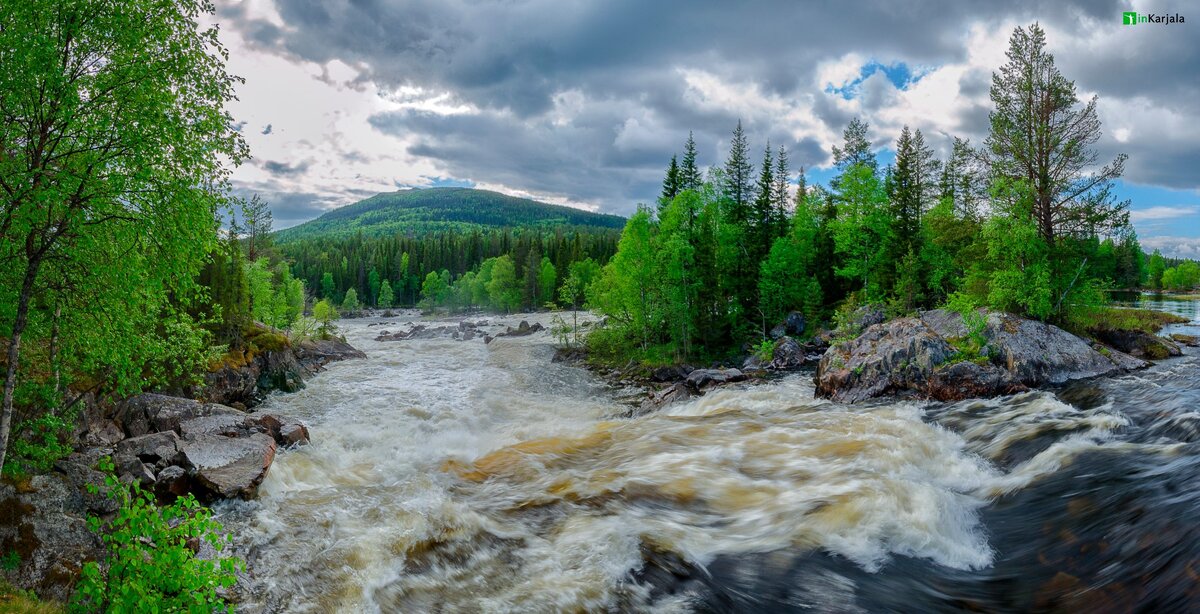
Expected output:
(705, 378)
(154, 413)
(791, 326)
(230, 467)
(788, 355)
(155, 449)
(1140, 344)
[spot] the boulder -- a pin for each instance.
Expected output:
(704, 378)
(45, 523)
(154, 413)
(1139, 344)
(887, 358)
(522, 329)
(921, 356)
(155, 449)
(171, 483)
(788, 355)
(674, 393)
(791, 326)
(315, 354)
(670, 373)
(294, 434)
(230, 467)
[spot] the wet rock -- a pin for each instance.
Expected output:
(919, 355)
(970, 380)
(230, 467)
(788, 355)
(670, 373)
(1139, 344)
(229, 425)
(488, 339)
(705, 378)
(674, 393)
(293, 434)
(522, 329)
(153, 413)
(468, 335)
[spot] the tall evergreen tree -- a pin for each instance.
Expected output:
(689, 172)
(856, 148)
(779, 194)
(671, 184)
(738, 181)
(1040, 135)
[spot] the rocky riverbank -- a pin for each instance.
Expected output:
(209, 446)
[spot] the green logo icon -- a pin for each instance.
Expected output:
(1129, 18)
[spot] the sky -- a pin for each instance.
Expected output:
(583, 103)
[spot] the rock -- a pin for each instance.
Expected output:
(294, 434)
(753, 363)
(103, 433)
(1139, 344)
(969, 380)
(80, 472)
(674, 393)
(230, 467)
(45, 524)
(670, 373)
(521, 330)
(153, 413)
(908, 354)
(172, 482)
(468, 335)
(315, 354)
(1188, 340)
(791, 326)
(157, 449)
(788, 355)
(281, 371)
(229, 425)
(886, 358)
(704, 378)
(487, 339)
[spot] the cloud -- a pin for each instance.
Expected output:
(1162, 213)
(584, 103)
(1173, 247)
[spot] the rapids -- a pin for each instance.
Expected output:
(449, 476)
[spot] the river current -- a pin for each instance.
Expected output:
(454, 476)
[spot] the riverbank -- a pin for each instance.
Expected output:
(208, 444)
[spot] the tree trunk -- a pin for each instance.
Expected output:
(14, 353)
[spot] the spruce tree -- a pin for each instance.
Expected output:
(671, 184)
(738, 178)
(856, 148)
(689, 173)
(780, 192)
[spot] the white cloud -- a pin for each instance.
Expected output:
(1162, 212)
(1174, 247)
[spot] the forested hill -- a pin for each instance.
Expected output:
(422, 211)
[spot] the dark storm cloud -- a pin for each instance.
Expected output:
(623, 59)
(282, 168)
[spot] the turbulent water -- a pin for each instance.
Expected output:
(449, 476)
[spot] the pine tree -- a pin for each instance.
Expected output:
(671, 185)
(780, 192)
(256, 223)
(738, 178)
(856, 148)
(1040, 135)
(689, 173)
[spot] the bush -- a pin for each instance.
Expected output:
(765, 351)
(152, 564)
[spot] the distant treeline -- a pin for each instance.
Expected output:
(330, 267)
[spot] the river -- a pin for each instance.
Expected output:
(454, 476)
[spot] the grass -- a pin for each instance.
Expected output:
(1119, 318)
(16, 601)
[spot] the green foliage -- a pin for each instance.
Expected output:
(386, 297)
(17, 601)
(1185, 276)
(1155, 270)
(350, 303)
(765, 350)
(325, 313)
(862, 230)
(501, 285)
(432, 210)
(10, 561)
(151, 564)
(41, 440)
(971, 345)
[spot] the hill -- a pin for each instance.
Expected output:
(422, 211)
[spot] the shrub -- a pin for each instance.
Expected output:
(152, 564)
(765, 351)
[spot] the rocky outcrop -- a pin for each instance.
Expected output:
(1139, 344)
(213, 451)
(245, 383)
(929, 356)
